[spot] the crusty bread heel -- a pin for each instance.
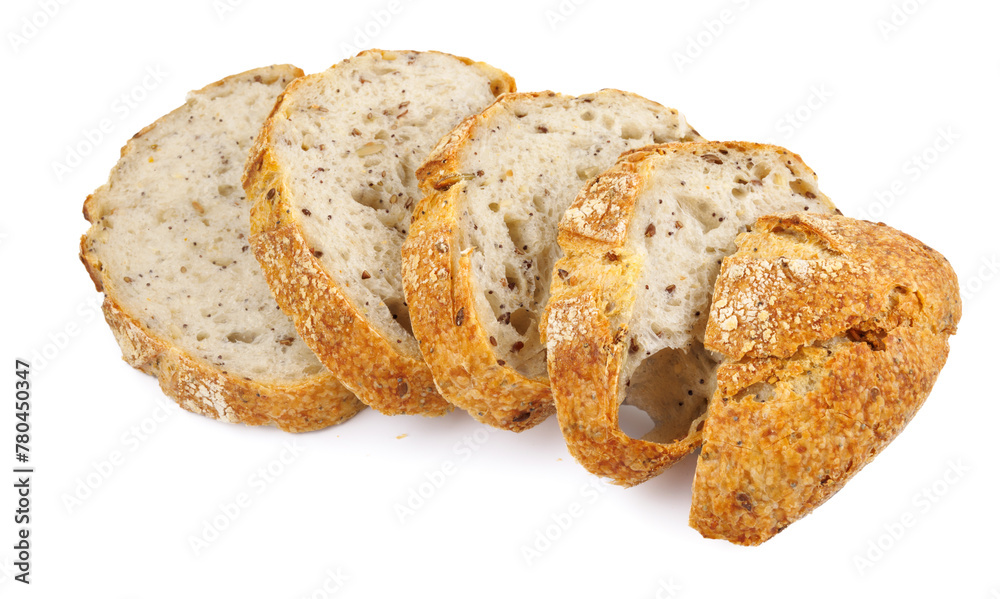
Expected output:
(625, 326)
(833, 331)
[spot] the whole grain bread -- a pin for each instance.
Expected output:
(630, 300)
(477, 261)
(185, 299)
(333, 185)
(833, 332)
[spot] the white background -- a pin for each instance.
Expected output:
(871, 105)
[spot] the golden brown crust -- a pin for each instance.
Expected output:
(439, 286)
(447, 319)
(90, 262)
(324, 317)
(834, 331)
(585, 360)
(876, 259)
(584, 352)
(585, 349)
(438, 171)
(500, 81)
(337, 332)
(314, 403)
(310, 404)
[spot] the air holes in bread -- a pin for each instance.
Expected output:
(672, 386)
(366, 196)
(241, 337)
(761, 171)
(632, 131)
(520, 319)
(634, 422)
(701, 210)
(802, 188)
(399, 313)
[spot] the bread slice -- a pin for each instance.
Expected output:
(833, 332)
(333, 185)
(630, 300)
(186, 301)
(477, 262)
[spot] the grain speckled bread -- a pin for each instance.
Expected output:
(833, 332)
(477, 262)
(644, 242)
(183, 295)
(333, 185)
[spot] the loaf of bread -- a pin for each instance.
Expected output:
(630, 300)
(477, 261)
(332, 182)
(169, 247)
(437, 239)
(833, 331)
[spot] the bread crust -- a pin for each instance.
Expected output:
(439, 288)
(585, 351)
(834, 331)
(440, 285)
(309, 404)
(338, 333)
(312, 404)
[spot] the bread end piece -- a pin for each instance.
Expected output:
(589, 323)
(834, 331)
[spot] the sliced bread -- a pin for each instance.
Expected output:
(333, 186)
(833, 331)
(185, 299)
(477, 262)
(626, 323)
